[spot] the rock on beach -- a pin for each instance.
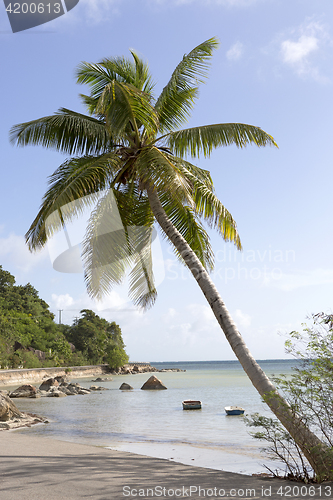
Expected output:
(12, 418)
(153, 384)
(125, 387)
(25, 391)
(47, 384)
(8, 410)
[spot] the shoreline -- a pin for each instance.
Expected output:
(35, 375)
(222, 458)
(39, 468)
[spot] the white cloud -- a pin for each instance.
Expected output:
(297, 52)
(302, 49)
(113, 303)
(14, 251)
(191, 326)
(62, 301)
(242, 319)
(235, 52)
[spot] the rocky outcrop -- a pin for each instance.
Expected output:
(61, 379)
(55, 392)
(132, 369)
(153, 384)
(99, 379)
(8, 410)
(125, 387)
(12, 418)
(97, 388)
(47, 384)
(51, 388)
(171, 370)
(25, 391)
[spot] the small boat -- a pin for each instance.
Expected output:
(189, 404)
(234, 410)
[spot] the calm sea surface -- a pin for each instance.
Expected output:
(153, 422)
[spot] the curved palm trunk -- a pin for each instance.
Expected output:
(315, 450)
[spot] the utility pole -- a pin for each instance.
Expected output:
(60, 311)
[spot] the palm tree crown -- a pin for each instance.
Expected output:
(129, 142)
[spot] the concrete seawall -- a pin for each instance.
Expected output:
(12, 377)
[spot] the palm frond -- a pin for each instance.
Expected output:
(65, 131)
(118, 238)
(73, 186)
(177, 109)
(142, 289)
(193, 172)
(98, 76)
(138, 218)
(215, 214)
(177, 97)
(120, 69)
(186, 221)
(133, 206)
(196, 140)
(155, 168)
(124, 105)
(143, 79)
(106, 250)
(206, 203)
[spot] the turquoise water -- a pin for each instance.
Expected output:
(154, 423)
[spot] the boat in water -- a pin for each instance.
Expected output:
(234, 410)
(190, 404)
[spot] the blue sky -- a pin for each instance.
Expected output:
(274, 70)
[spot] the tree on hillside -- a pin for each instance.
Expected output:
(98, 340)
(27, 323)
(130, 145)
(6, 280)
(21, 298)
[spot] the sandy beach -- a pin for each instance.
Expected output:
(35, 468)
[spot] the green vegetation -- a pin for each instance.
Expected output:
(98, 339)
(30, 338)
(309, 392)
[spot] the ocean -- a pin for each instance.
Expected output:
(153, 423)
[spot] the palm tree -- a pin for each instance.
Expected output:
(130, 147)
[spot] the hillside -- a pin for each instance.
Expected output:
(30, 338)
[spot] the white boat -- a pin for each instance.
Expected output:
(234, 410)
(190, 404)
